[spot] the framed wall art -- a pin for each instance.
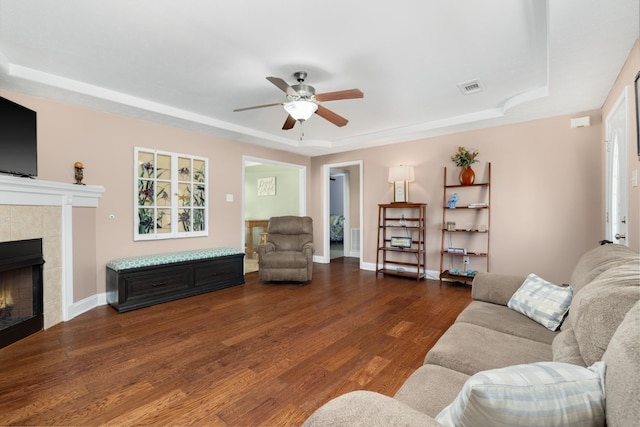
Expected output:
(267, 186)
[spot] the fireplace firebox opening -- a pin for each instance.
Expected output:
(21, 290)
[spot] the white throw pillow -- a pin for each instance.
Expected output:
(537, 394)
(542, 301)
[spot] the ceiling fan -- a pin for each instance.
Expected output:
(302, 101)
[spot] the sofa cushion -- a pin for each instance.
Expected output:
(600, 307)
(367, 409)
(470, 349)
(542, 301)
(622, 383)
(431, 388)
(284, 259)
(170, 258)
(565, 348)
(538, 394)
(502, 319)
(496, 288)
(597, 260)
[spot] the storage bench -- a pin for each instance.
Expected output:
(141, 281)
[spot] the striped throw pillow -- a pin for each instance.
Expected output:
(537, 394)
(542, 301)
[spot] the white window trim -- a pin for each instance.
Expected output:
(174, 180)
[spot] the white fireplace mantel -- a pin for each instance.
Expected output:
(34, 192)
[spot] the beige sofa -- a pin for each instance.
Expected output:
(603, 323)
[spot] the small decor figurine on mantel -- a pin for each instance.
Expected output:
(465, 158)
(79, 167)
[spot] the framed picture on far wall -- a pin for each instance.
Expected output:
(266, 186)
(637, 92)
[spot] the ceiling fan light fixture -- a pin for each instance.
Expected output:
(301, 110)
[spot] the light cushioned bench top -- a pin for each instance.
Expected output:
(171, 257)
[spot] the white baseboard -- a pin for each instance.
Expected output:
(369, 266)
(430, 274)
(433, 274)
(87, 304)
(320, 259)
(323, 260)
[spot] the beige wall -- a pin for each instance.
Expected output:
(547, 189)
(286, 201)
(84, 253)
(354, 196)
(625, 81)
(546, 193)
(104, 143)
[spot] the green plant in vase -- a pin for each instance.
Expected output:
(465, 158)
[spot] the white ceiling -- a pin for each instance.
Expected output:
(190, 63)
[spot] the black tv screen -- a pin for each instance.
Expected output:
(18, 139)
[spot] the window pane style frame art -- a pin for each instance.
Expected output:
(170, 195)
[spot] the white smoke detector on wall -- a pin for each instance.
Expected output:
(580, 122)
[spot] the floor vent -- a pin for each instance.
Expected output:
(355, 239)
(472, 86)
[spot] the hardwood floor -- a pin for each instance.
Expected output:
(256, 354)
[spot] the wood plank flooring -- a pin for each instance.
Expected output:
(252, 355)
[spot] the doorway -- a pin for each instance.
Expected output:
(339, 241)
(270, 189)
(617, 149)
(343, 212)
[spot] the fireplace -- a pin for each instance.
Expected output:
(21, 290)
(35, 208)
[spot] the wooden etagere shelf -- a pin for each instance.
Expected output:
(401, 240)
(472, 229)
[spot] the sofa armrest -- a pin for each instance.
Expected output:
(308, 249)
(495, 288)
(265, 248)
(367, 409)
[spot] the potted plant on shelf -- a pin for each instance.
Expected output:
(465, 158)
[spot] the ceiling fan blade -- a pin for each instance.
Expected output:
(341, 94)
(282, 85)
(289, 123)
(329, 115)
(257, 106)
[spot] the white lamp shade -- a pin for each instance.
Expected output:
(401, 173)
(301, 110)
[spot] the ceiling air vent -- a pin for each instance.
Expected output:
(472, 86)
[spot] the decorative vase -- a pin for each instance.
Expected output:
(467, 176)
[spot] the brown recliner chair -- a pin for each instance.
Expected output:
(288, 254)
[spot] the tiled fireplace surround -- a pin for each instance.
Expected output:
(31, 209)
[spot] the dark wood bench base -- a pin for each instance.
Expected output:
(145, 286)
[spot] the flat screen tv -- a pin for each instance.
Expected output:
(18, 140)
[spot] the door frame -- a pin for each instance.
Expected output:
(346, 204)
(623, 166)
(302, 185)
(326, 175)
